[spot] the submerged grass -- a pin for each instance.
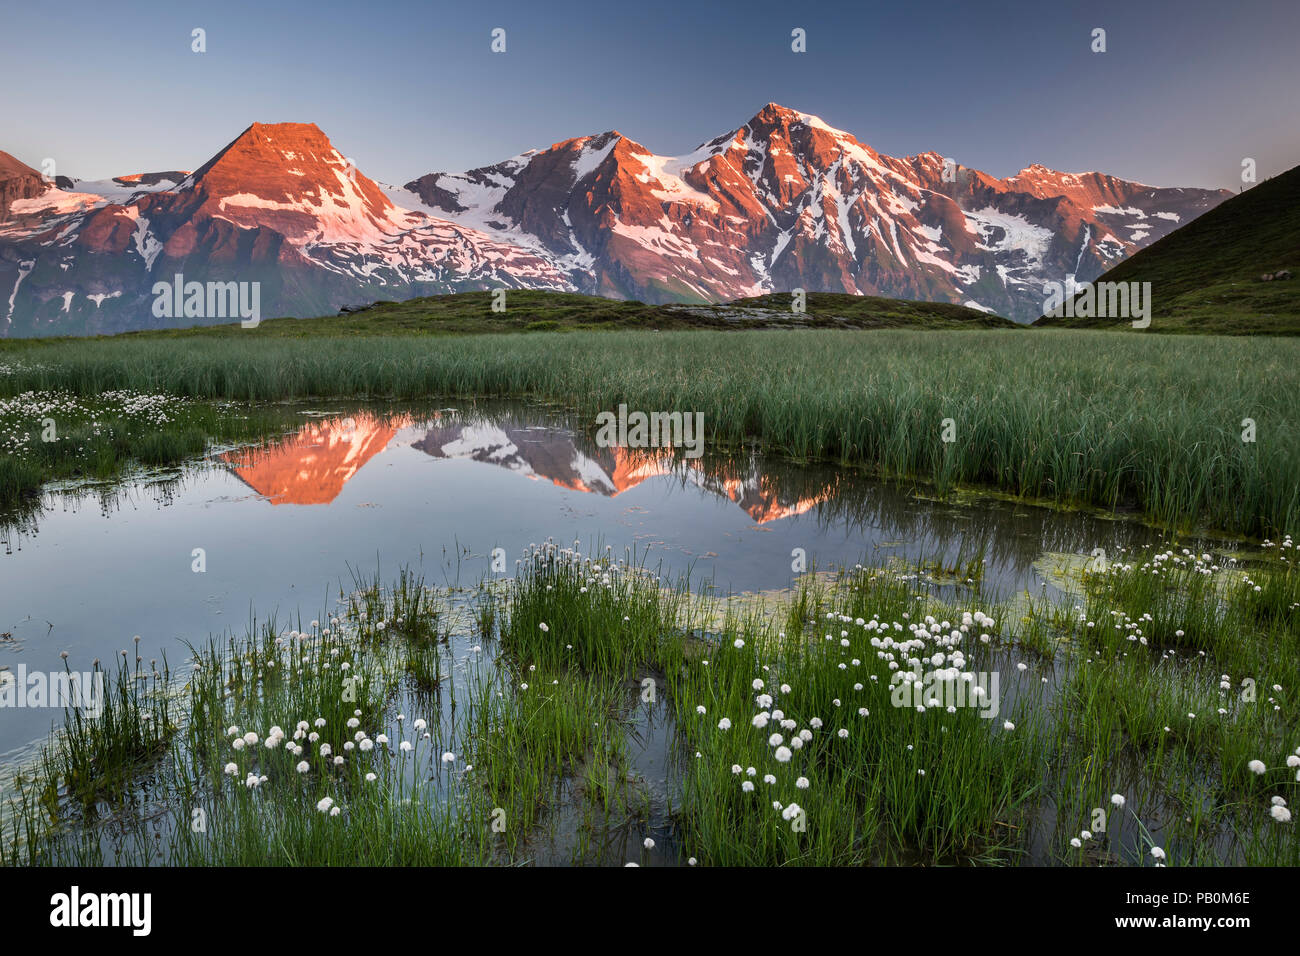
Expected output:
(875, 715)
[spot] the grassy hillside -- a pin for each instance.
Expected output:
(529, 311)
(1205, 277)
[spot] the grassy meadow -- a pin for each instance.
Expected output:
(1136, 424)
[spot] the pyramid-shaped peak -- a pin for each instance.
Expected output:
(289, 176)
(284, 156)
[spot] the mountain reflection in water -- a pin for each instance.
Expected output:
(311, 467)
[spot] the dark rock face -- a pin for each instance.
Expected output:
(17, 181)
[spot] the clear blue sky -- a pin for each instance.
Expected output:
(1185, 90)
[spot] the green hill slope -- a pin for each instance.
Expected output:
(529, 311)
(1205, 277)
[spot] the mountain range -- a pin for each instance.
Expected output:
(785, 201)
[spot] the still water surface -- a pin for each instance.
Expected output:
(282, 527)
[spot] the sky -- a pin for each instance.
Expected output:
(1185, 90)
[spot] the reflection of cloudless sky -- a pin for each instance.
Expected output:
(1185, 90)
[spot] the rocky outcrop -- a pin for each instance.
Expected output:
(17, 181)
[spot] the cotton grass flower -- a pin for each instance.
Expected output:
(325, 804)
(783, 754)
(724, 724)
(303, 766)
(1280, 813)
(1256, 767)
